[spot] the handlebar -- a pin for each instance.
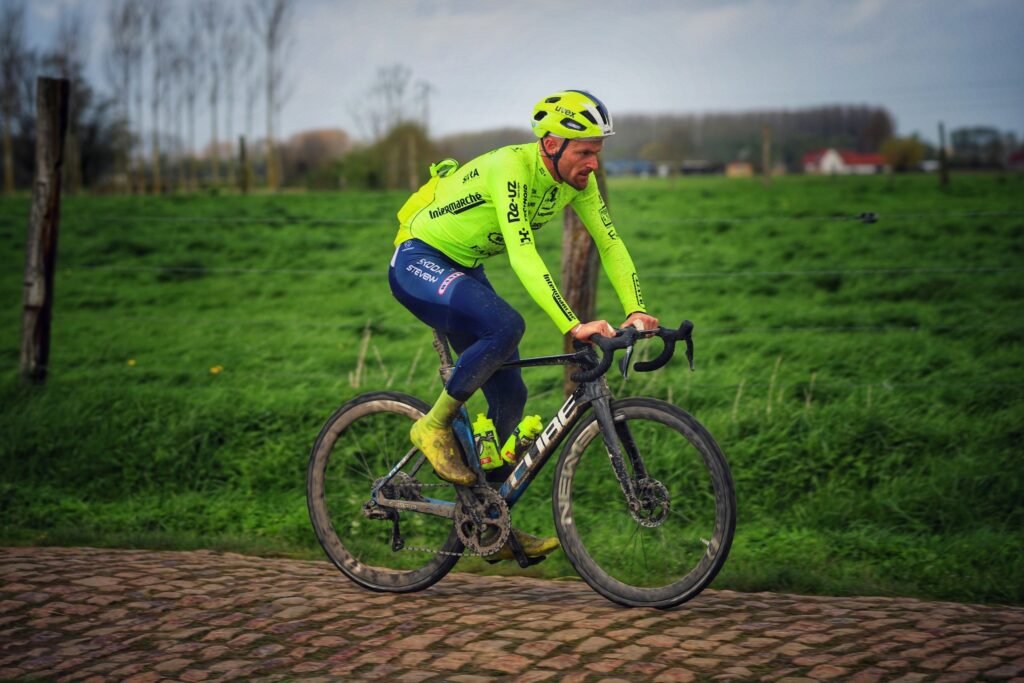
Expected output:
(626, 337)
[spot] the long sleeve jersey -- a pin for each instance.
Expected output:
(495, 202)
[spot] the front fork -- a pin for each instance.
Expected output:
(617, 438)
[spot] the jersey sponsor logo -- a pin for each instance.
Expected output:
(475, 173)
(549, 200)
(636, 290)
(427, 264)
(471, 200)
(606, 218)
(557, 296)
(524, 236)
(496, 238)
(512, 216)
(422, 274)
(446, 283)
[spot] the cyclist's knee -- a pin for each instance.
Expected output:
(517, 325)
(513, 327)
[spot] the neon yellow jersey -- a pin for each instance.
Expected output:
(494, 204)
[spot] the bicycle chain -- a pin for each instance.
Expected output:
(437, 551)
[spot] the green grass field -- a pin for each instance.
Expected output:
(865, 379)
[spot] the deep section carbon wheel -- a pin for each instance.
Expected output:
(357, 447)
(670, 545)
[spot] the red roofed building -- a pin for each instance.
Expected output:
(842, 162)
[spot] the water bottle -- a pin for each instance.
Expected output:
(487, 442)
(520, 439)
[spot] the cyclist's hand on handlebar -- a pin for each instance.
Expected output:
(584, 331)
(641, 321)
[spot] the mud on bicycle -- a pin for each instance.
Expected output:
(642, 497)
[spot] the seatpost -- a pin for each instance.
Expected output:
(445, 354)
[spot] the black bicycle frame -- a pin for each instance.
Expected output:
(587, 393)
(594, 393)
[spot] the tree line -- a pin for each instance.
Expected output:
(170, 63)
(165, 63)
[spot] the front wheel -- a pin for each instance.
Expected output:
(360, 443)
(672, 545)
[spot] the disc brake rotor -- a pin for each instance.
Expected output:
(654, 503)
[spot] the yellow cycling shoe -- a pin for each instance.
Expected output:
(442, 453)
(532, 546)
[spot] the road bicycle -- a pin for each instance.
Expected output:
(643, 498)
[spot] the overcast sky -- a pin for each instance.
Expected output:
(958, 61)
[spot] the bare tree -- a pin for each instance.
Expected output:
(210, 11)
(173, 107)
(231, 44)
(253, 78)
(384, 104)
(137, 32)
(423, 91)
(119, 71)
(271, 20)
(14, 59)
(193, 78)
(156, 14)
(68, 60)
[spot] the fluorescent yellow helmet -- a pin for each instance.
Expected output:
(573, 115)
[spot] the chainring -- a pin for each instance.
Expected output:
(484, 525)
(654, 503)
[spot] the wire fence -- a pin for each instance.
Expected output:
(386, 324)
(813, 272)
(390, 219)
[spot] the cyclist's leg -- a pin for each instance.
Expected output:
(506, 395)
(461, 303)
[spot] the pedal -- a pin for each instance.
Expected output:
(519, 553)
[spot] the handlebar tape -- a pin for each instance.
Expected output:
(627, 337)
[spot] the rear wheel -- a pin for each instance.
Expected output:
(357, 446)
(671, 547)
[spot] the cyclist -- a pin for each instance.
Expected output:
(494, 204)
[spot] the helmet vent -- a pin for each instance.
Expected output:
(552, 100)
(574, 125)
(539, 115)
(589, 117)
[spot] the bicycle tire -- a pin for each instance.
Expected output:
(591, 516)
(365, 438)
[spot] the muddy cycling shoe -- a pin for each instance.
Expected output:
(442, 453)
(532, 546)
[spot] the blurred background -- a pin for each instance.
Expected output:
(833, 193)
(166, 92)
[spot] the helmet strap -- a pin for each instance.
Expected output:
(557, 156)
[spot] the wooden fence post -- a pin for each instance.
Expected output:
(943, 157)
(245, 171)
(579, 271)
(44, 220)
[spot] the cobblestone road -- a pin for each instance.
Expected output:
(79, 614)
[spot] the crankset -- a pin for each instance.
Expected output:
(482, 520)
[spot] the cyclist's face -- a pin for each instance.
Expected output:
(578, 160)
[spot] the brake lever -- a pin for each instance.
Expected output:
(624, 362)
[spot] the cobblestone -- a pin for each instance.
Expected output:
(81, 614)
